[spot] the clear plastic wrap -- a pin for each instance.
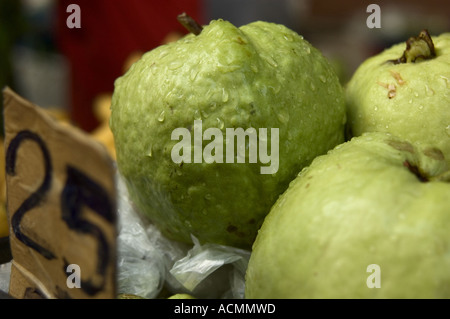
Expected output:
(5, 272)
(148, 262)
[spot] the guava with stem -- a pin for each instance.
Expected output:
(376, 200)
(404, 90)
(261, 76)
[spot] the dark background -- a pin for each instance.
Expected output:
(66, 69)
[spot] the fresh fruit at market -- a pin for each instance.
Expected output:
(368, 220)
(176, 113)
(405, 90)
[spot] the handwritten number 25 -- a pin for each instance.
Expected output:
(79, 190)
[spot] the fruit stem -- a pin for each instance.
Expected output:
(420, 47)
(189, 23)
(416, 171)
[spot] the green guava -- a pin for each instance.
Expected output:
(262, 76)
(368, 220)
(404, 91)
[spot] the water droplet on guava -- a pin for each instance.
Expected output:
(193, 74)
(220, 123)
(270, 60)
(276, 89)
(163, 53)
(263, 90)
(175, 65)
(446, 80)
(162, 116)
(224, 95)
(204, 114)
(197, 115)
(283, 117)
(430, 91)
(154, 68)
(150, 151)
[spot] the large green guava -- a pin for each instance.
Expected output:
(261, 75)
(405, 90)
(368, 220)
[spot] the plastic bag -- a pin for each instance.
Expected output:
(5, 273)
(149, 262)
(202, 261)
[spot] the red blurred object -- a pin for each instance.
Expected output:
(110, 32)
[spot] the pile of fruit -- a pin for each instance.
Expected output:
(244, 137)
(362, 182)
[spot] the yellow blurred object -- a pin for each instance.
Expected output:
(4, 226)
(103, 133)
(172, 37)
(133, 57)
(136, 55)
(102, 106)
(58, 114)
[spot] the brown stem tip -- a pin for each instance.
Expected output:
(189, 23)
(417, 48)
(416, 171)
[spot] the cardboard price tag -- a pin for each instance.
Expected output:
(61, 206)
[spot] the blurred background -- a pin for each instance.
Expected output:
(71, 71)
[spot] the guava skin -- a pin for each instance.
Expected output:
(409, 100)
(356, 206)
(260, 75)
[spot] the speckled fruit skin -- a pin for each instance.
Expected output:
(357, 206)
(260, 75)
(409, 100)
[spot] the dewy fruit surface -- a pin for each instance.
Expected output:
(375, 200)
(410, 99)
(260, 75)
